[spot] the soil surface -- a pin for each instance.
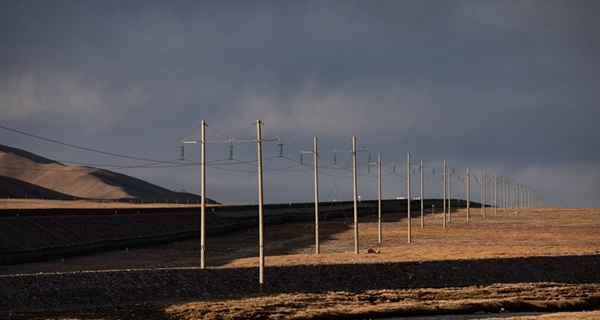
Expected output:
(502, 233)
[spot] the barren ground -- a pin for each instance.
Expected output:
(514, 232)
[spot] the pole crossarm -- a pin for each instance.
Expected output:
(334, 151)
(231, 141)
(228, 141)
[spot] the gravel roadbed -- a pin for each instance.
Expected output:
(93, 289)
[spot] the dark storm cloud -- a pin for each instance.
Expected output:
(509, 84)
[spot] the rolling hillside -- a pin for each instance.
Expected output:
(27, 175)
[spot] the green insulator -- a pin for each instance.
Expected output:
(280, 149)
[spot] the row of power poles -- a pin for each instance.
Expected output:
(512, 193)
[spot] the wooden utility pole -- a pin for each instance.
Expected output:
(444, 192)
(261, 245)
(356, 245)
(316, 159)
(468, 194)
(408, 194)
(203, 195)
(422, 195)
(379, 195)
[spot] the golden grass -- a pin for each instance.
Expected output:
(498, 298)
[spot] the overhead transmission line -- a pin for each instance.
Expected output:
(84, 148)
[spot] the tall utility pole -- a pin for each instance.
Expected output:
(521, 194)
(509, 193)
(481, 193)
(356, 246)
(355, 196)
(468, 194)
(516, 194)
(422, 195)
(495, 193)
(202, 142)
(518, 191)
(450, 195)
(502, 194)
(260, 207)
(316, 158)
(444, 192)
(379, 195)
(483, 183)
(506, 196)
(408, 194)
(202, 195)
(513, 193)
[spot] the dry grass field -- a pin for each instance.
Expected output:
(514, 232)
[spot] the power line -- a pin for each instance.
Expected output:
(78, 147)
(221, 165)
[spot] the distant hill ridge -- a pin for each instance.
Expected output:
(27, 175)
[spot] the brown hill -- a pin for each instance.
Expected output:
(29, 175)
(14, 188)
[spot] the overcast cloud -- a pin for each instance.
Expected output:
(506, 87)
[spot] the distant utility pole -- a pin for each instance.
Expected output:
(316, 159)
(516, 187)
(379, 195)
(354, 151)
(315, 153)
(509, 195)
(521, 193)
(483, 183)
(495, 193)
(481, 194)
(450, 195)
(502, 195)
(422, 195)
(513, 193)
(379, 238)
(444, 192)
(408, 194)
(468, 194)
(356, 245)
(518, 194)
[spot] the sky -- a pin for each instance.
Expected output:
(509, 88)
